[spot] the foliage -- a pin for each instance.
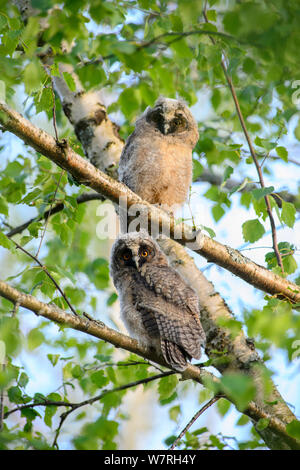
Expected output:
(138, 50)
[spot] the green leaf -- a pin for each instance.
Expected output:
(49, 413)
(2, 89)
(297, 130)
(261, 192)
(227, 173)
(197, 169)
(223, 406)
(265, 143)
(53, 358)
(167, 386)
(217, 212)
(35, 338)
(29, 413)
(76, 371)
(23, 380)
(174, 412)
(43, 5)
(262, 424)
(99, 379)
(3, 206)
(253, 230)
(288, 213)
(33, 76)
(69, 81)
(282, 153)
(44, 102)
(112, 299)
(293, 429)
(6, 242)
(209, 230)
(240, 388)
(243, 420)
(15, 395)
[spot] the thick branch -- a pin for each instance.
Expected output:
(97, 133)
(85, 173)
(94, 328)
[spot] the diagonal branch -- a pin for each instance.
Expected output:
(84, 172)
(194, 418)
(94, 328)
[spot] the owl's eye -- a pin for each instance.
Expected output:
(144, 253)
(126, 255)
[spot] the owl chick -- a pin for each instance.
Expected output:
(156, 162)
(157, 306)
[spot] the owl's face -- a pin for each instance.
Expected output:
(172, 118)
(135, 250)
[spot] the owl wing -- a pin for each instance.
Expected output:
(175, 319)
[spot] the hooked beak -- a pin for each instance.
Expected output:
(166, 128)
(136, 261)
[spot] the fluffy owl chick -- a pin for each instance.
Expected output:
(156, 162)
(157, 306)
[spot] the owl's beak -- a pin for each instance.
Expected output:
(166, 128)
(136, 261)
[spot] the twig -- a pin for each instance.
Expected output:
(2, 366)
(194, 418)
(15, 309)
(252, 152)
(54, 110)
(82, 198)
(156, 40)
(47, 219)
(47, 273)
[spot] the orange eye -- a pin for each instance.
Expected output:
(144, 253)
(127, 255)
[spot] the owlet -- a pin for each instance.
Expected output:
(156, 162)
(158, 308)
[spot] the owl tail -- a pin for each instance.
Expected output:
(174, 355)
